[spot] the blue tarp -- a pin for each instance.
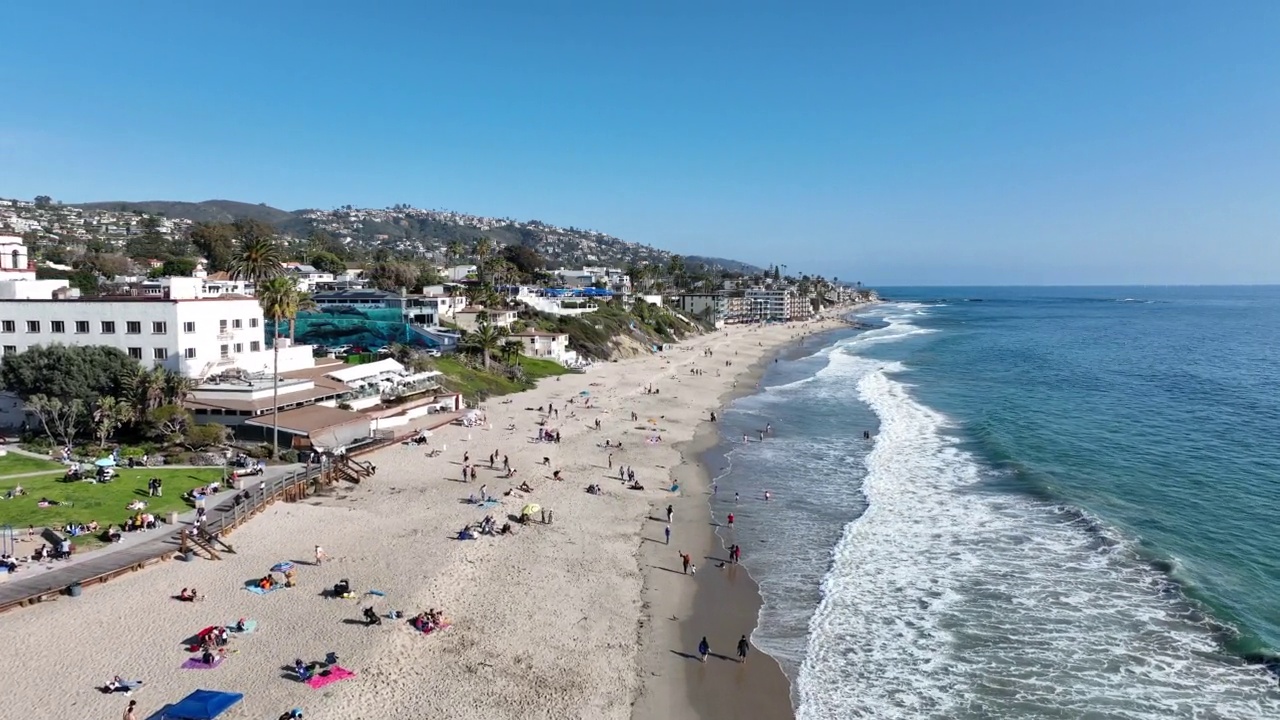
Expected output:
(202, 705)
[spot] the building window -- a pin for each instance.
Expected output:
(222, 326)
(82, 326)
(56, 326)
(133, 327)
(191, 352)
(17, 257)
(253, 322)
(225, 350)
(237, 323)
(9, 326)
(255, 346)
(239, 348)
(33, 326)
(158, 328)
(188, 327)
(135, 353)
(160, 353)
(10, 349)
(108, 327)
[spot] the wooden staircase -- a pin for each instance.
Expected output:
(206, 543)
(352, 470)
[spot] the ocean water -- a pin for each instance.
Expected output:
(1069, 507)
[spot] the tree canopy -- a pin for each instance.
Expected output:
(69, 372)
(325, 261)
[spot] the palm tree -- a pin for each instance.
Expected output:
(257, 261)
(146, 391)
(511, 349)
(675, 267)
(485, 340)
(454, 250)
(279, 299)
(176, 387)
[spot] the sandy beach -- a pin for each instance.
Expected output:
(544, 623)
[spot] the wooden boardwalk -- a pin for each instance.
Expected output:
(110, 563)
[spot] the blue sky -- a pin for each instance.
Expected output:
(894, 143)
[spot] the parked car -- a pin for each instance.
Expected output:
(384, 350)
(433, 353)
(340, 349)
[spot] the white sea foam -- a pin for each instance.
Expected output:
(946, 601)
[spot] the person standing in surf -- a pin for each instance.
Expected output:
(743, 648)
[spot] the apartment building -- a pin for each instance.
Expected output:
(711, 307)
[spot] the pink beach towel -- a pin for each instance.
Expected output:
(336, 673)
(198, 664)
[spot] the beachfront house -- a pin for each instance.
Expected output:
(468, 318)
(539, 344)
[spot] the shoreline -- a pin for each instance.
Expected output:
(724, 603)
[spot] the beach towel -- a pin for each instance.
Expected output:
(249, 626)
(379, 593)
(490, 503)
(198, 664)
(330, 676)
(252, 586)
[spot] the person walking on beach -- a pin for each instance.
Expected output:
(128, 712)
(743, 648)
(466, 458)
(685, 560)
(730, 519)
(610, 461)
(670, 512)
(735, 497)
(320, 556)
(667, 530)
(704, 649)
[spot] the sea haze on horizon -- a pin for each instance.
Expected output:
(1068, 507)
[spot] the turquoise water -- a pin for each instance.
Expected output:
(1070, 507)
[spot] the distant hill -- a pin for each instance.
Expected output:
(429, 232)
(724, 263)
(207, 211)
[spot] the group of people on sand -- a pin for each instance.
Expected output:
(189, 595)
(428, 621)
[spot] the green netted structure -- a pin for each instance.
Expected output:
(365, 327)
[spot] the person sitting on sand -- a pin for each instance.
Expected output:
(371, 617)
(526, 487)
(300, 668)
(186, 595)
(466, 534)
(267, 582)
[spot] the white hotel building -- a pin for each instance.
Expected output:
(181, 330)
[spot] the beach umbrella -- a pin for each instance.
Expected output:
(105, 462)
(530, 509)
(282, 567)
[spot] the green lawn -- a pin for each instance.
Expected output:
(537, 368)
(106, 504)
(471, 383)
(15, 464)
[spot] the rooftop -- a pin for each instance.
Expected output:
(307, 420)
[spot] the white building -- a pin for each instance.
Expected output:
(457, 273)
(770, 304)
(549, 345)
(14, 263)
(180, 331)
(308, 276)
(468, 318)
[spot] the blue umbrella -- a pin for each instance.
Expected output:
(282, 567)
(105, 462)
